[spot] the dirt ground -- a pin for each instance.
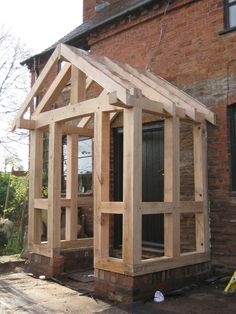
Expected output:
(21, 293)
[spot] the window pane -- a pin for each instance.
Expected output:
(85, 165)
(232, 134)
(232, 16)
(85, 156)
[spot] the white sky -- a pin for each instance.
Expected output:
(39, 24)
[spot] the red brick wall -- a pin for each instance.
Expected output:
(185, 47)
(126, 289)
(89, 7)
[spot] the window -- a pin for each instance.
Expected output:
(232, 136)
(85, 165)
(230, 13)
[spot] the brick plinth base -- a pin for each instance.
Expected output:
(78, 259)
(127, 289)
(44, 265)
(69, 260)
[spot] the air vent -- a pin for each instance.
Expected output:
(100, 6)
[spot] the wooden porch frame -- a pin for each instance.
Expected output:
(126, 90)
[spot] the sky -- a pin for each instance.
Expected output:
(41, 23)
(38, 24)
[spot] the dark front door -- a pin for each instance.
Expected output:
(152, 179)
(153, 182)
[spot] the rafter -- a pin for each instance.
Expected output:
(146, 90)
(37, 85)
(54, 90)
(75, 56)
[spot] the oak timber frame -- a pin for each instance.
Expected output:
(128, 91)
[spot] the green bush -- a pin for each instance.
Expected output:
(3, 239)
(16, 210)
(13, 246)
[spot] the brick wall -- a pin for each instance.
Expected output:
(185, 47)
(125, 289)
(89, 7)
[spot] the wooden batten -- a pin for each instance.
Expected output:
(112, 207)
(200, 185)
(84, 121)
(171, 207)
(72, 187)
(70, 129)
(85, 201)
(26, 124)
(89, 81)
(41, 203)
(54, 187)
(132, 185)
(101, 183)
(171, 186)
(76, 244)
(35, 186)
(78, 85)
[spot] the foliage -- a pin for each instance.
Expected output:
(16, 208)
(13, 246)
(14, 86)
(17, 194)
(3, 239)
(4, 181)
(18, 187)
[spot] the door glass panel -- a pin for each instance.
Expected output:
(232, 16)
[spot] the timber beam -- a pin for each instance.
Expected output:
(54, 90)
(26, 124)
(70, 129)
(82, 109)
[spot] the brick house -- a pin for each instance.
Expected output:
(191, 44)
